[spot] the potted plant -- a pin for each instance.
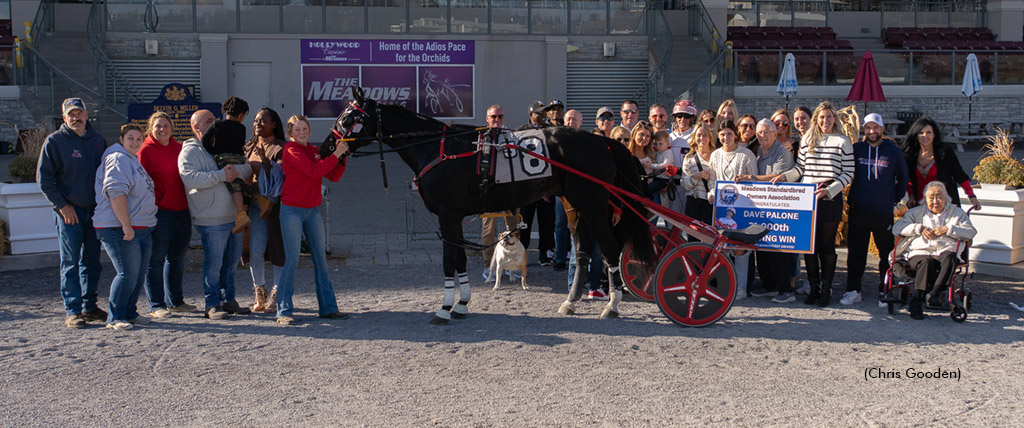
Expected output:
(1000, 222)
(998, 170)
(28, 214)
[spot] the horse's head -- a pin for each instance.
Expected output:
(359, 120)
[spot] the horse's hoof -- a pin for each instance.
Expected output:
(458, 316)
(438, 321)
(566, 309)
(609, 314)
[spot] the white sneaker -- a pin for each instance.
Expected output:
(160, 313)
(140, 320)
(850, 297)
(119, 325)
(882, 304)
(741, 293)
(805, 288)
(487, 274)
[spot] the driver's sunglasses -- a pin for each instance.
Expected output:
(604, 118)
(496, 116)
(683, 116)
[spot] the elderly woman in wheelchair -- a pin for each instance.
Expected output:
(938, 231)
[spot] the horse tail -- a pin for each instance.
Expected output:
(632, 229)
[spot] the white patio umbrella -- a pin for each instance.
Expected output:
(787, 80)
(972, 82)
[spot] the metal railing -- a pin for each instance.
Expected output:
(659, 42)
(710, 87)
(895, 67)
(933, 14)
(51, 86)
(544, 17)
(773, 13)
(113, 84)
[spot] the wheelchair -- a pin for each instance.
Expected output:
(899, 282)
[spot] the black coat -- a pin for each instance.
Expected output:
(950, 173)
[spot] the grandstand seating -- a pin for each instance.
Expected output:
(786, 38)
(945, 38)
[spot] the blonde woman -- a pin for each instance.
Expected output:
(640, 144)
(825, 159)
(784, 131)
(698, 177)
(727, 112)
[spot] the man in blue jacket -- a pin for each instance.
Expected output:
(66, 173)
(879, 183)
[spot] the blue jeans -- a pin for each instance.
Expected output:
(561, 232)
(130, 259)
(258, 238)
(294, 222)
(596, 266)
(171, 236)
(79, 262)
(221, 251)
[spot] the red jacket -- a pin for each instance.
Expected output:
(161, 162)
(304, 172)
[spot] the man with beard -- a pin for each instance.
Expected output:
(658, 117)
(879, 182)
(66, 174)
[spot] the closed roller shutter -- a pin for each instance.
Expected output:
(593, 84)
(148, 76)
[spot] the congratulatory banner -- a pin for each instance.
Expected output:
(787, 209)
(431, 77)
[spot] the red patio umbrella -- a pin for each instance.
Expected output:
(866, 86)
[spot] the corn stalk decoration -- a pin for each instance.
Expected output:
(849, 121)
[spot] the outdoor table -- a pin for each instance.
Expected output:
(963, 132)
(892, 128)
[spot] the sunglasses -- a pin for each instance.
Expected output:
(630, 111)
(781, 124)
(683, 116)
(604, 118)
(497, 116)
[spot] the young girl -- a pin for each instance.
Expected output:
(663, 158)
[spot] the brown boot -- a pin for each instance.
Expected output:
(261, 298)
(265, 206)
(241, 222)
(271, 306)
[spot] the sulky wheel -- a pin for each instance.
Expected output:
(680, 294)
(958, 314)
(635, 275)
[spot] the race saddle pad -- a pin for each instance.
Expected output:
(515, 165)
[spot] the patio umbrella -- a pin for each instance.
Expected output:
(866, 86)
(972, 82)
(787, 81)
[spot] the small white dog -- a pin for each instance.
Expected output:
(509, 253)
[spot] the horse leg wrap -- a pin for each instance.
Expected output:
(581, 276)
(444, 315)
(615, 291)
(460, 310)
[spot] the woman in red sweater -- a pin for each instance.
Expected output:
(159, 157)
(304, 171)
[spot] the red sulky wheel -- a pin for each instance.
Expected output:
(634, 274)
(679, 293)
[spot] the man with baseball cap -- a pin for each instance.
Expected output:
(66, 174)
(879, 183)
(605, 121)
(544, 208)
(538, 112)
(556, 112)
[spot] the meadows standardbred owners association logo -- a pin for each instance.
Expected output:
(728, 194)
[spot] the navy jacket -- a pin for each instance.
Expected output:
(66, 171)
(879, 176)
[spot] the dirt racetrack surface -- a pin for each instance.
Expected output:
(513, 362)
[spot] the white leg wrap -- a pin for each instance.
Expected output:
(615, 294)
(464, 294)
(448, 300)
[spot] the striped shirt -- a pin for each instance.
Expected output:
(831, 160)
(691, 181)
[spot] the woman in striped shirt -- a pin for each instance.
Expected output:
(825, 159)
(698, 179)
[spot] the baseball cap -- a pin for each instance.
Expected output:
(537, 107)
(71, 104)
(874, 117)
(685, 107)
(603, 111)
(556, 103)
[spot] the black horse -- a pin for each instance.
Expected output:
(451, 189)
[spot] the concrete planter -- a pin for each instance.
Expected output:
(29, 217)
(1000, 225)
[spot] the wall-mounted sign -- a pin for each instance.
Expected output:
(431, 77)
(177, 101)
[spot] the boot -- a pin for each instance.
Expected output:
(265, 206)
(271, 305)
(260, 303)
(828, 271)
(812, 297)
(916, 306)
(241, 222)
